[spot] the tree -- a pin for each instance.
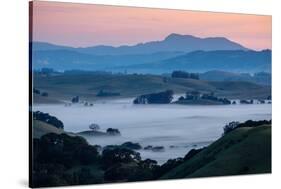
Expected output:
(75, 99)
(180, 74)
(36, 91)
(94, 127)
(164, 97)
(230, 126)
(131, 145)
(169, 165)
(181, 98)
(117, 155)
(45, 117)
(112, 131)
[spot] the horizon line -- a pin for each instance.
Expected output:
(62, 45)
(130, 45)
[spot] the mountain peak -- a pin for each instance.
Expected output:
(175, 36)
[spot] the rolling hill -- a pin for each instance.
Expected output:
(68, 59)
(202, 61)
(87, 85)
(217, 75)
(40, 128)
(243, 151)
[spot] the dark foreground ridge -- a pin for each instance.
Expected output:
(61, 159)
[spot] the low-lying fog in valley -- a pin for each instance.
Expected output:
(178, 128)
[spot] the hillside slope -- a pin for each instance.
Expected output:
(41, 128)
(242, 151)
(262, 78)
(65, 86)
(201, 61)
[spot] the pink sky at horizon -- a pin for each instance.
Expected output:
(82, 25)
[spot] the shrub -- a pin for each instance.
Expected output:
(112, 131)
(119, 155)
(131, 145)
(45, 117)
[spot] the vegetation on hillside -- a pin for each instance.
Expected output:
(245, 150)
(195, 97)
(183, 74)
(60, 159)
(164, 97)
(235, 124)
(45, 117)
(87, 85)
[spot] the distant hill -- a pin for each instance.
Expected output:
(173, 42)
(175, 51)
(217, 75)
(243, 151)
(202, 61)
(68, 59)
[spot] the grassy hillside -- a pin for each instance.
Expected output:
(262, 78)
(40, 128)
(87, 85)
(242, 151)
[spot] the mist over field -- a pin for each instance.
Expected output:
(183, 127)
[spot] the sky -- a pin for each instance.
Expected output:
(83, 25)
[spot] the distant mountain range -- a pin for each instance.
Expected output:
(176, 51)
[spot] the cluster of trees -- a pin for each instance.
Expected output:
(183, 74)
(195, 95)
(214, 98)
(164, 97)
(60, 159)
(113, 131)
(37, 91)
(45, 117)
(250, 123)
(131, 145)
(154, 148)
(54, 155)
(103, 93)
(95, 131)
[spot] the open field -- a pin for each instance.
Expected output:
(65, 86)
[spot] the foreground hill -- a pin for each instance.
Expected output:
(87, 85)
(243, 151)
